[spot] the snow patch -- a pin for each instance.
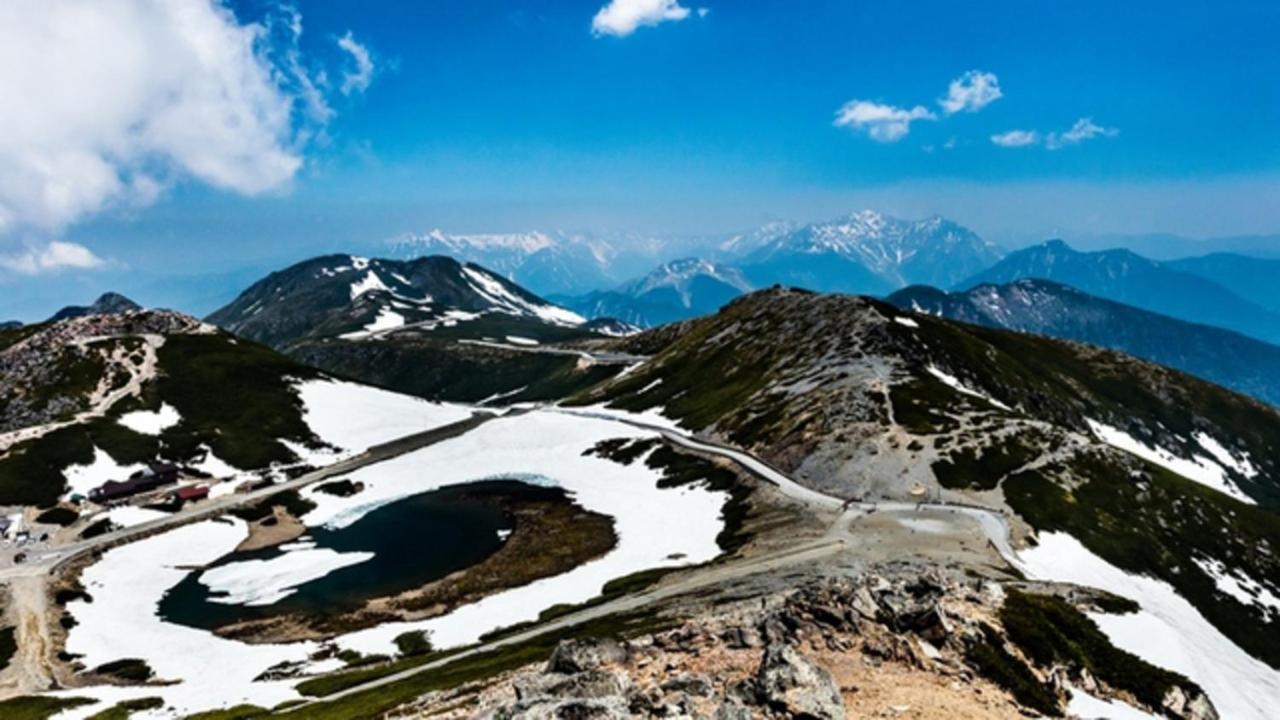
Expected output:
(387, 319)
(1225, 457)
(506, 301)
(955, 384)
(368, 283)
(906, 322)
(1168, 632)
(355, 417)
(149, 422)
(1240, 586)
(1199, 468)
(83, 478)
(517, 340)
(1087, 707)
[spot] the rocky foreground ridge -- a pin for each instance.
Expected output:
(904, 641)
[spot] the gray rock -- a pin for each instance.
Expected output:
(789, 683)
(573, 656)
(694, 684)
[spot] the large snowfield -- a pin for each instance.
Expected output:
(1168, 632)
(655, 527)
(1199, 468)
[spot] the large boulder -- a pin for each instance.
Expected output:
(790, 684)
(574, 656)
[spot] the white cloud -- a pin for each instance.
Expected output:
(622, 17)
(108, 103)
(54, 256)
(1016, 138)
(356, 80)
(971, 92)
(1083, 129)
(883, 123)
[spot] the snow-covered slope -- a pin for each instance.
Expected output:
(356, 298)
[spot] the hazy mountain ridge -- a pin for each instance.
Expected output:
(1126, 277)
(1047, 308)
(545, 262)
(674, 291)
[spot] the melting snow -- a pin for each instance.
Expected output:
(961, 388)
(151, 423)
(265, 582)
(355, 417)
(387, 319)
(1240, 586)
(369, 282)
(653, 525)
(1168, 631)
(906, 321)
(1199, 468)
(1087, 707)
(83, 478)
(1225, 457)
(128, 515)
(495, 292)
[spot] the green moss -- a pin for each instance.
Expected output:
(239, 712)
(984, 468)
(1157, 524)
(38, 707)
(991, 660)
(1051, 632)
(123, 710)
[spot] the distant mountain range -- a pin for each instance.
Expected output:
(862, 253)
(1126, 277)
(674, 291)
(545, 263)
(1047, 308)
(868, 253)
(1254, 279)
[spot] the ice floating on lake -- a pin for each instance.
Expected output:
(265, 582)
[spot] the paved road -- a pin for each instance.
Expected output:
(597, 358)
(41, 562)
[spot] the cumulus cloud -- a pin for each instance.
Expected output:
(1016, 138)
(1083, 129)
(357, 79)
(54, 256)
(883, 123)
(971, 92)
(620, 18)
(108, 103)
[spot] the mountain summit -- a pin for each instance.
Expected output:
(107, 304)
(867, 252)
(674, 291)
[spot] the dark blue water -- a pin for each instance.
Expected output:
(415, 540)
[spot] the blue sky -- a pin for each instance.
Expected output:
(503, 115)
